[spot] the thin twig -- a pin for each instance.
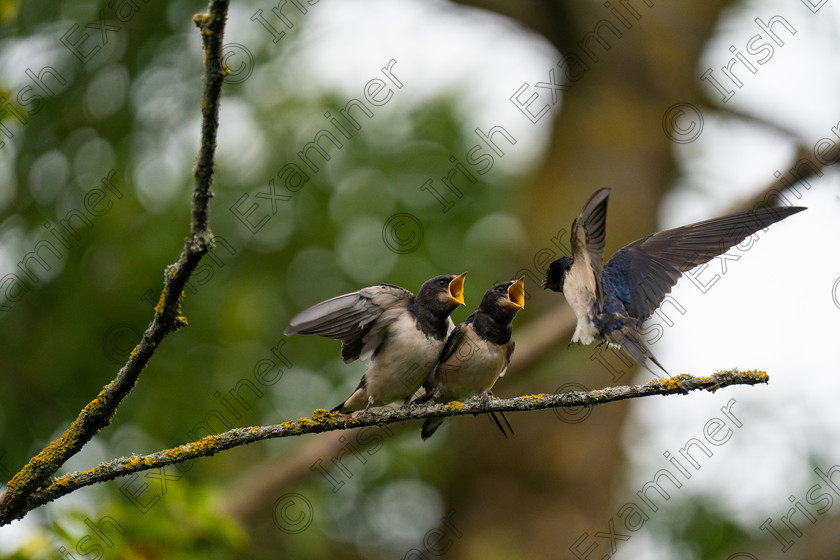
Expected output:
(805, 165)
(167, 319)
(323, 421)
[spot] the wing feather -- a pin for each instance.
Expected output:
(644, 271)
(588, 238)
(351, 317)
(508, 353)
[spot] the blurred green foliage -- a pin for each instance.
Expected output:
(707, 533)
(128, 109)
(133, 108)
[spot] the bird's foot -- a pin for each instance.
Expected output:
(369, 403)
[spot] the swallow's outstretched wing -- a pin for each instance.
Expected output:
(643, 272)
(352, 318)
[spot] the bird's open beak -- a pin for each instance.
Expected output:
(456, 288)
(516, 293)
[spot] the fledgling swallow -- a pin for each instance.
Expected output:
(477, 353)
(611, 301)
(405, 335)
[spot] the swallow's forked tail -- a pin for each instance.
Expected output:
(628, 338)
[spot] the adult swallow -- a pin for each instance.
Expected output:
(404, 333)
(477, 353)
(611, 301)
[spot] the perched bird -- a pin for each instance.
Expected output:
(477, 352)
(612, 300)
(405, 334)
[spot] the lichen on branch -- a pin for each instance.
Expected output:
(323, 421)
(15, 501)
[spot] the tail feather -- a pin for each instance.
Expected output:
(432, 424)
(429, 427)
(502, 429)
(630, 342)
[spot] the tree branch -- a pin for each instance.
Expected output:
(805, 165)
(783, 194)
(323, 421)
(168, 318)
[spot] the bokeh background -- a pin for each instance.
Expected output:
(632, 95)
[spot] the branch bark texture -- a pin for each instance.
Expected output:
(168, 317)
(323, 421)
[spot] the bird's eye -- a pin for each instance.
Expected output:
(441, 282)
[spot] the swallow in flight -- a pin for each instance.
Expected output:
(477, 353)
(611, 301)
(404, 333)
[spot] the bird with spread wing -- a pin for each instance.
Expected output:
(611, 301)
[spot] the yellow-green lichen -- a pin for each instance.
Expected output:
(672, 383)
(321, 415)
(63, 481)
(454, 405)
(207, 444)
(533, 397)
(175, 453)
(133, 462)
(160, 304)
(89, 472)
(755, 373)
(56, 452)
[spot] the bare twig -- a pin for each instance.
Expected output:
(805, 164)
(762, 121)
(167, 319)
(323, 421)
